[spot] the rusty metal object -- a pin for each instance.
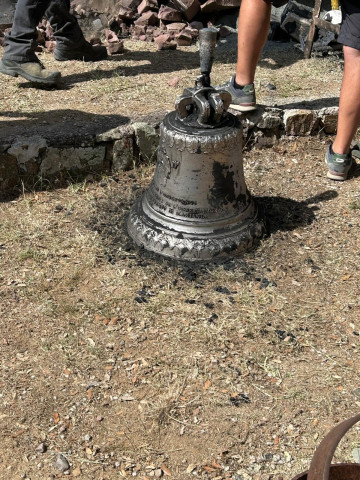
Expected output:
(197, 206)
(321, 467)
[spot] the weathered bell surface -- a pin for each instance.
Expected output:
(197, 206)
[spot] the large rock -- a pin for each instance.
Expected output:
(147, 18)
(329, 119)
(9, 173)
(189, 8)
(72, 160)
(147, 139)
(175, 27)
(146, 5)
(217, 5)
(168, 14)
(300, 122)
(123, 153)
(184, 39)
(27, 152)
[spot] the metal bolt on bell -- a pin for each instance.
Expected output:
(197, 206)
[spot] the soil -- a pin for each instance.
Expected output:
(133, 366)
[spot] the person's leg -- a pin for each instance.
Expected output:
(70, 41)
(349, 106)
(20, 41)
(338, 157)
(65, 26)
(253, 29)
(19, 57)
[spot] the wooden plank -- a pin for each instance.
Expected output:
(310, 39)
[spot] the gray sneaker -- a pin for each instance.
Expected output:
(338, 164)
(242, 99)
(32, 71)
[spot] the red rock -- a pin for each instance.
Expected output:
(173, 82)
(168, 14)
(111, 36)
(115, 47)
(147, 18)
(130, 4)
(49, 33)
(164, 42)
(189, 8)
(79, 10)
(124, 29)
(218, 5)
(184, 39)
(50, 45)
(146, 5)
(139, 30)
(175, 27)
(194, 32)
(125, 14)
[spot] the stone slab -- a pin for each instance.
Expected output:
(31, 150)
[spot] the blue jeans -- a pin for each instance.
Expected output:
(20, 42)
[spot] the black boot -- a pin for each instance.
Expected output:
(85, 52)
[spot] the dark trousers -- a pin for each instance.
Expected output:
(20, 42)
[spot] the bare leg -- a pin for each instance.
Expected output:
(254, 21)
(349, 110)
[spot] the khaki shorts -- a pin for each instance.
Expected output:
(350, 28)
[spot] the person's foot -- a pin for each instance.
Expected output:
(32, 71)
(242, 99)
(85, 52)
(338, 164)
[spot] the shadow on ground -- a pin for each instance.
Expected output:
(59, 127)
(314, 104)
(149, 63)
(285, 214)
(281, 214)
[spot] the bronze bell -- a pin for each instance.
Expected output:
(197, 206)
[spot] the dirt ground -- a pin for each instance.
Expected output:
(131, 366)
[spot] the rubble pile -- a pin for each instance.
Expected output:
(169, 23)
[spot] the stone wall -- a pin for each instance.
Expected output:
(37, 162)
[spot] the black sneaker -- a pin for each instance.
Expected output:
(338, 164)
(85, 52)
(242, 99)
(34, 71)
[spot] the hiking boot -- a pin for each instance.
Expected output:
(85, 52)
(32, 71)
(242, 99)
(338, 164)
